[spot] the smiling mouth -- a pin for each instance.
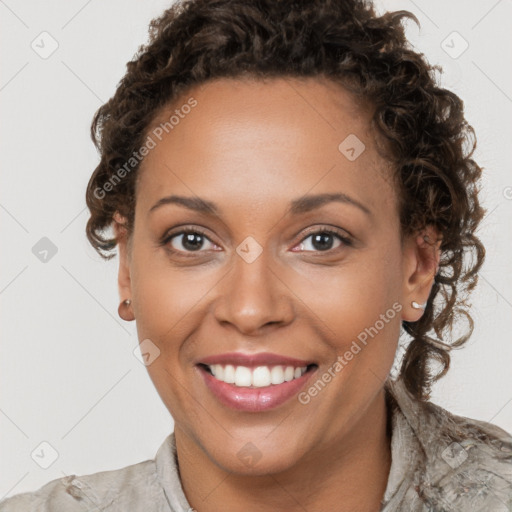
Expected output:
(258, 376)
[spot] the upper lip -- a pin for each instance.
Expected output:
(254, 360)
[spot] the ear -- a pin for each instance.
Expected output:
(124, 280)
(420, 265)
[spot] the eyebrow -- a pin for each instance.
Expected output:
(297, 206)
(192, 203)
(307, 203)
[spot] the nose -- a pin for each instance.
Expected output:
(254, 297)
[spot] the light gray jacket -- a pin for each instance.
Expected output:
(440, 463)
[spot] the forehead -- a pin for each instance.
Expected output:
(264, 141)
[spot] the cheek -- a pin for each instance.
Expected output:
(360, 306)
(353, 296)
(167, 300)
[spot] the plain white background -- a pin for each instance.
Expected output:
(68, 375)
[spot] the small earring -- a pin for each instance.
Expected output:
(415, 305)
(123, 312)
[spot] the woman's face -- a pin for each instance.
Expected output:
(297, 262)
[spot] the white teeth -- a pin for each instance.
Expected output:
(289, 373)
(229, 374)
(243, 376)
(219, 372)
(277, 375)
(261, 377)
(258, 377)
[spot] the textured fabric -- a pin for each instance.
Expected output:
(445, 463)
(439, 463)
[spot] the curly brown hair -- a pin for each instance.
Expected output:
(430, 142)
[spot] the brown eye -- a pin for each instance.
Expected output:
(324, 240)
(190, 241)
(186, 241)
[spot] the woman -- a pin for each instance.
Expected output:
(289, 191)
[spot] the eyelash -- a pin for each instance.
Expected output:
(346, 241)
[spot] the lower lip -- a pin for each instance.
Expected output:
(254, 399)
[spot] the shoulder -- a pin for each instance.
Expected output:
(464, 464)
(470, 461)
(462, 442)
(128, 488)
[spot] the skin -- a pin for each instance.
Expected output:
(252, 147)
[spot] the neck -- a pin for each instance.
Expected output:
(349, 475)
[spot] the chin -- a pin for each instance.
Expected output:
(255, 458)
